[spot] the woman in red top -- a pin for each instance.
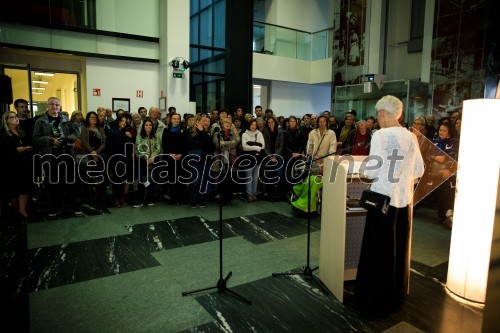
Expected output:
(358, 140)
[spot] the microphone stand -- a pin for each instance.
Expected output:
(308, 271)
(221, 284)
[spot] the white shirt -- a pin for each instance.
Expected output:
(321, 145)
(394, 147)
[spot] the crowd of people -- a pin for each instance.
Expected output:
(119, 159)
(191, 158)
(440, 166)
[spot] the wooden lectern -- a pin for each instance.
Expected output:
(341, 229)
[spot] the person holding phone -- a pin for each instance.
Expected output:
(18, 160)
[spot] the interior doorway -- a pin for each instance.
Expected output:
(261, 92)
(37, 85)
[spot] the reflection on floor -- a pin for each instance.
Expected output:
(125, 271)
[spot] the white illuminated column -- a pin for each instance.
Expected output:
(475, 201)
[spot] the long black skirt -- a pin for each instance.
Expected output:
(384, 264)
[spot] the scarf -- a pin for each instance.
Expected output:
(344, 133)
(174, 129)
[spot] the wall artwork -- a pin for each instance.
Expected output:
(121, 103)
(163, 104)
(459, 56)
(349, 41)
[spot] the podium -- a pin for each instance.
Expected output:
(341, 229)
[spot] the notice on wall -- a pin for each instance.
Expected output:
(96, 92)
(139, 93)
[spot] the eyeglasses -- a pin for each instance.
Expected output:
(13, 117)
(415, 123)
(54, 104)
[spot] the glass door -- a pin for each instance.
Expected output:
(37, 85)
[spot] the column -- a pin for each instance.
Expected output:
(174, 42)
(239, 38)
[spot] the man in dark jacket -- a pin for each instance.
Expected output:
(54, 136)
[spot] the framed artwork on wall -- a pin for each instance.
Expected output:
(121, 103)
(163, 104)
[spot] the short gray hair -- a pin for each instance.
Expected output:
(392, 105)
(361, 122)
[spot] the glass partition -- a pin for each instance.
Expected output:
(292, 43)
(319, 45)
(414, 95)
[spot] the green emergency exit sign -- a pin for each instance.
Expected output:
(178, 75)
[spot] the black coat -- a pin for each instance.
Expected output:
(200, 144)
(174, 142)
(294, 142)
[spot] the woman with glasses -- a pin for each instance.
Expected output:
(358, 140)
(420, 125)
(17, 164)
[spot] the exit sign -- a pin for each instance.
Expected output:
(178, 75)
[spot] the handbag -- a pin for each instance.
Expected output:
(374, 200)
(378, 201)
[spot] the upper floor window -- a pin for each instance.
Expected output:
(71, 13)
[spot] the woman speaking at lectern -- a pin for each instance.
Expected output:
(384, 264)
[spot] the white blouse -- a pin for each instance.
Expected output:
(391, 149)
(252, 136)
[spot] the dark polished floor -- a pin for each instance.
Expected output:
(125, 271)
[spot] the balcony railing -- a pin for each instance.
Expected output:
(292, 43)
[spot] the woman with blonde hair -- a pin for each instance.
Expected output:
(200, 147)
(77, 121)
(17, 165)
(225, 142)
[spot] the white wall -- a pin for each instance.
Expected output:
(121, 79)
(128, 16)
(271, 67)
(298, 99)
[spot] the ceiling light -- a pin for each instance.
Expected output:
(37, 88)
(40, 82)
(37, 93)
(44, 74)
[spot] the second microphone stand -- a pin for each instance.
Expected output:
(308, 271)
(221, 284)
